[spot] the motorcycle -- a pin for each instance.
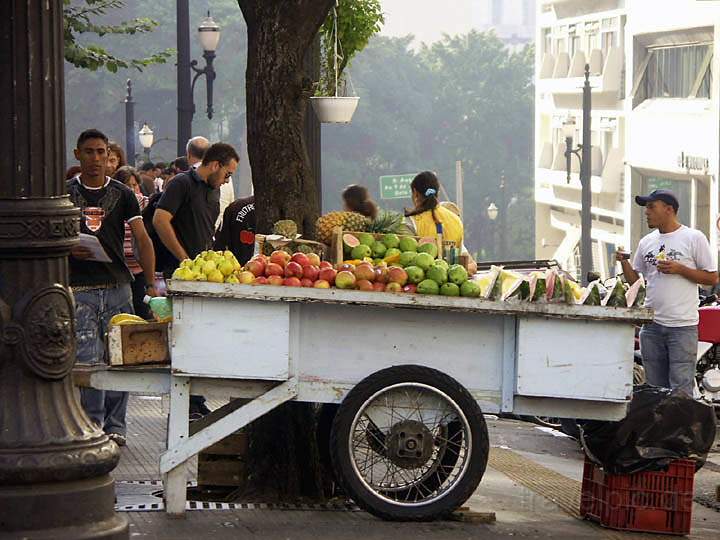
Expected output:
(707, 371)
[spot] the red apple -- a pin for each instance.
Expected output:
(364, 272)
(393, 287)
(410, 288)
(322, 284)
(293, 269)
(364, 285)
(397, 275)
(256, 266)
(261, 280)
(301, 259)
(325, 264)
(273, 269)
(280, 257)
(260, 257)
(344, 267)
(314, 259)
(327, 274)
(275, 280)
(381, 274)
(292, 282)
(378, 287)
(311, 272)
(305, 282)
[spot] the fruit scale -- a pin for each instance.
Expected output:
(412, 375)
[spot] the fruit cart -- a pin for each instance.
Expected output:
(412, 376)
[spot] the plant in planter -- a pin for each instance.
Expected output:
(345, 33)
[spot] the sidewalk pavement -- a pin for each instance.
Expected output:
(532, 484)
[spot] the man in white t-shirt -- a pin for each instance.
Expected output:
(674, 259)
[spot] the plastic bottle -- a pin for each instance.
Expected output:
(160, 306)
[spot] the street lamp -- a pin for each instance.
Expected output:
(209, 37)
(492, 211)
(583, 154)
(146, 139)
(129, 124)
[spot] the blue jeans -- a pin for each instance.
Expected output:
(669, 355)
(93, 310)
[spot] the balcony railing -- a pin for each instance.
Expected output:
(562, 75)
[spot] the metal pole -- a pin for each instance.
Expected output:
(586, 264)
(54, 462)
(185, 105)
(459, 185)
(130, 125)
(503, 219)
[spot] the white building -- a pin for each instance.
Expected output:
(512, 20)
(655, 118)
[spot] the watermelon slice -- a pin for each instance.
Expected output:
(492, 282)
(555, 289)
(615, 296)
(573, 292)
(635, 295)
(591, 295)
(538, 287)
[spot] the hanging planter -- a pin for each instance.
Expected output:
(335, 109)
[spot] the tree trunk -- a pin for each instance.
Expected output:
(279, 34)
(283, 458)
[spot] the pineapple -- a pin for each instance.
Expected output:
(388, 221)
(348, 221)
(285, 228)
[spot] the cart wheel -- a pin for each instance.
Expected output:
(409, 443)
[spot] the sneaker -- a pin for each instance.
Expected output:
(118, 439)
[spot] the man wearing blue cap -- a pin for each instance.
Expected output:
(674, 259)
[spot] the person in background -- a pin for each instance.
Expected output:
(181, 164)
(102, 290)
(186, 214)
(674, 259)
(357, 199)
(159, 172)
(195, 150)
(429, 217)
(72, 171)
(147, 174)
(116, 158)
(238, 230)
(130, 177)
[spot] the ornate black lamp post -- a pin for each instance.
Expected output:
(130, 125)
(209, 36)
(54, 462)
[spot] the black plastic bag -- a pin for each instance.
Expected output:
(661, 425)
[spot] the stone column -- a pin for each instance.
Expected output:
(54, 462)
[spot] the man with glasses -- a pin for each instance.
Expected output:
(189, 207)
(186, 214)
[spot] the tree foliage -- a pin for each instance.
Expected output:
(357, 22)
(79, 20)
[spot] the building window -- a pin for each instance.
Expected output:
(675, 72)
(681, 189)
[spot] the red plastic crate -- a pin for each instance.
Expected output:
(657, 501)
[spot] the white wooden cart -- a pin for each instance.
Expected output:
(411, 374)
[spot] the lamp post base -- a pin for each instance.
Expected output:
(77, 510)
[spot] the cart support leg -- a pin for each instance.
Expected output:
(175, 481)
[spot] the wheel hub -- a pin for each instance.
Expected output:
(409, 444)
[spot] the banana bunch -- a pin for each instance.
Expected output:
(126, 318)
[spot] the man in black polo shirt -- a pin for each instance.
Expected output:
(186, 214)
(188, 209)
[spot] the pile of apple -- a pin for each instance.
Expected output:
(283, 269)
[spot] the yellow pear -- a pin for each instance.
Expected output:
(208, 267)
(216, 276)
(187, 263)
(226, 267)
(232, 279)
(200, 277)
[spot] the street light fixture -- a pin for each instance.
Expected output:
(209, 36)
(492, 211)
(568, 130)
(146, 136)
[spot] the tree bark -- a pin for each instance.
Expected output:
(284, 458)
(279, 34)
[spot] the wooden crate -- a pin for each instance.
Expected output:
(317, 247)
(336, 248)
(134, 344)
(223, 464)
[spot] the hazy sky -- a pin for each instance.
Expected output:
(429, 19)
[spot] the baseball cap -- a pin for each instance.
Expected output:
(664, 195)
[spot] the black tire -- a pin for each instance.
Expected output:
(475, 458)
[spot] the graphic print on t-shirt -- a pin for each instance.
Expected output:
(94, 215)
(662, 255)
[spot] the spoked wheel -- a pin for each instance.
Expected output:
(409, 443)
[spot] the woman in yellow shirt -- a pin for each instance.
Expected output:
(429, 218)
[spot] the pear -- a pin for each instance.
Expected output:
(216, 276)
(200, 277)
(187, 263)
(226, 267)
(232, 279)
(208, 267)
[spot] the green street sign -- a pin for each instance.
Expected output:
(396, 186)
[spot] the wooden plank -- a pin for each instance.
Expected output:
(235, 445)
(175, 479)
(271, 293)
